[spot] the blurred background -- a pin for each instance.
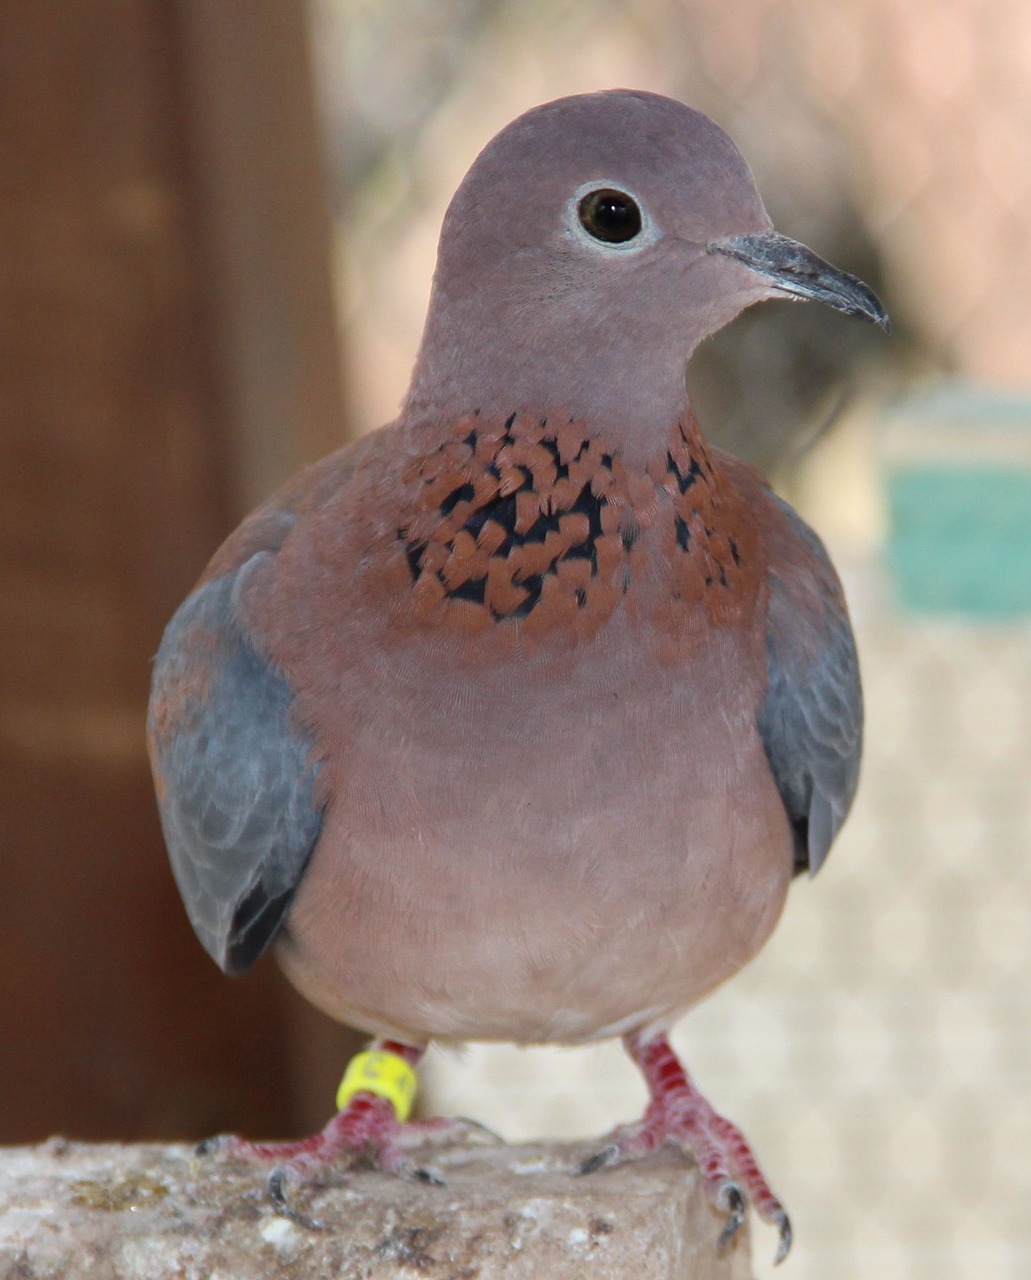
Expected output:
(217, 230)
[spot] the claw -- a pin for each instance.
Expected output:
(420, 1173)
(473, 1129)
(601, 1159)
(276, 1187)
(783, 1223)
(734, 1203)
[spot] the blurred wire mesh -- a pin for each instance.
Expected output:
(877, 1053)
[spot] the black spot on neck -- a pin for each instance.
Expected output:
(464, 493)
(533, 585)
(685, 479)
(473, 589)
(413, 554)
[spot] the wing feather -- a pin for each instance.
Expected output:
(811, 721)
(234, 775)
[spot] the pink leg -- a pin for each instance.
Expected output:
(678, 1114)
(367, 1129)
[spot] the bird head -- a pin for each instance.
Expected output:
(590, 248)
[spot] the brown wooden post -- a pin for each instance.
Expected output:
(167, 354)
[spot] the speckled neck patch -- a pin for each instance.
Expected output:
(525, 520)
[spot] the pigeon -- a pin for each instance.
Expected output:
(515, 719)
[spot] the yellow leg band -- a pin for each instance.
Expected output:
(385, 1074)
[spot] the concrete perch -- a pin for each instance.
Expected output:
(153, 1212)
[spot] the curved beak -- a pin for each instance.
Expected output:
(793, 270)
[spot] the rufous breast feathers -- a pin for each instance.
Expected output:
(544, 525)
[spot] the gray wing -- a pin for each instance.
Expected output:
(234, 775)
(811, 721)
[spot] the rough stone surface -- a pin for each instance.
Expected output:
(148, 1212)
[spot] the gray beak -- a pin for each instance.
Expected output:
(796, 271)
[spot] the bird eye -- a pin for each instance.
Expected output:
(611, 216)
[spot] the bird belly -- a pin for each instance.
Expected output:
(560, 876)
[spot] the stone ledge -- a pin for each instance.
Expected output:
(154, 1212)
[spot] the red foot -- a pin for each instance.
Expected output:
(367, 1130)
(678, 1114)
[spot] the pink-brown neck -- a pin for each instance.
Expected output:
(492, 359)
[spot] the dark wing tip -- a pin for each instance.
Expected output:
(256, 921)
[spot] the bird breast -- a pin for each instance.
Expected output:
(568, 803)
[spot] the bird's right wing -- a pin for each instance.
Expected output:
(234, 771)
(234, 775)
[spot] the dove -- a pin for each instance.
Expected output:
(515, 719)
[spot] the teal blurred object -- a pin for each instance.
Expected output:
(957, 463)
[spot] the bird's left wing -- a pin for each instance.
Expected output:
(811, 720)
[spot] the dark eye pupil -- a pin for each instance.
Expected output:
(611, 216)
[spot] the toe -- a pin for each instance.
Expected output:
(441, 1130)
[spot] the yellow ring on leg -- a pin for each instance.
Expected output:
(385, 1074)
